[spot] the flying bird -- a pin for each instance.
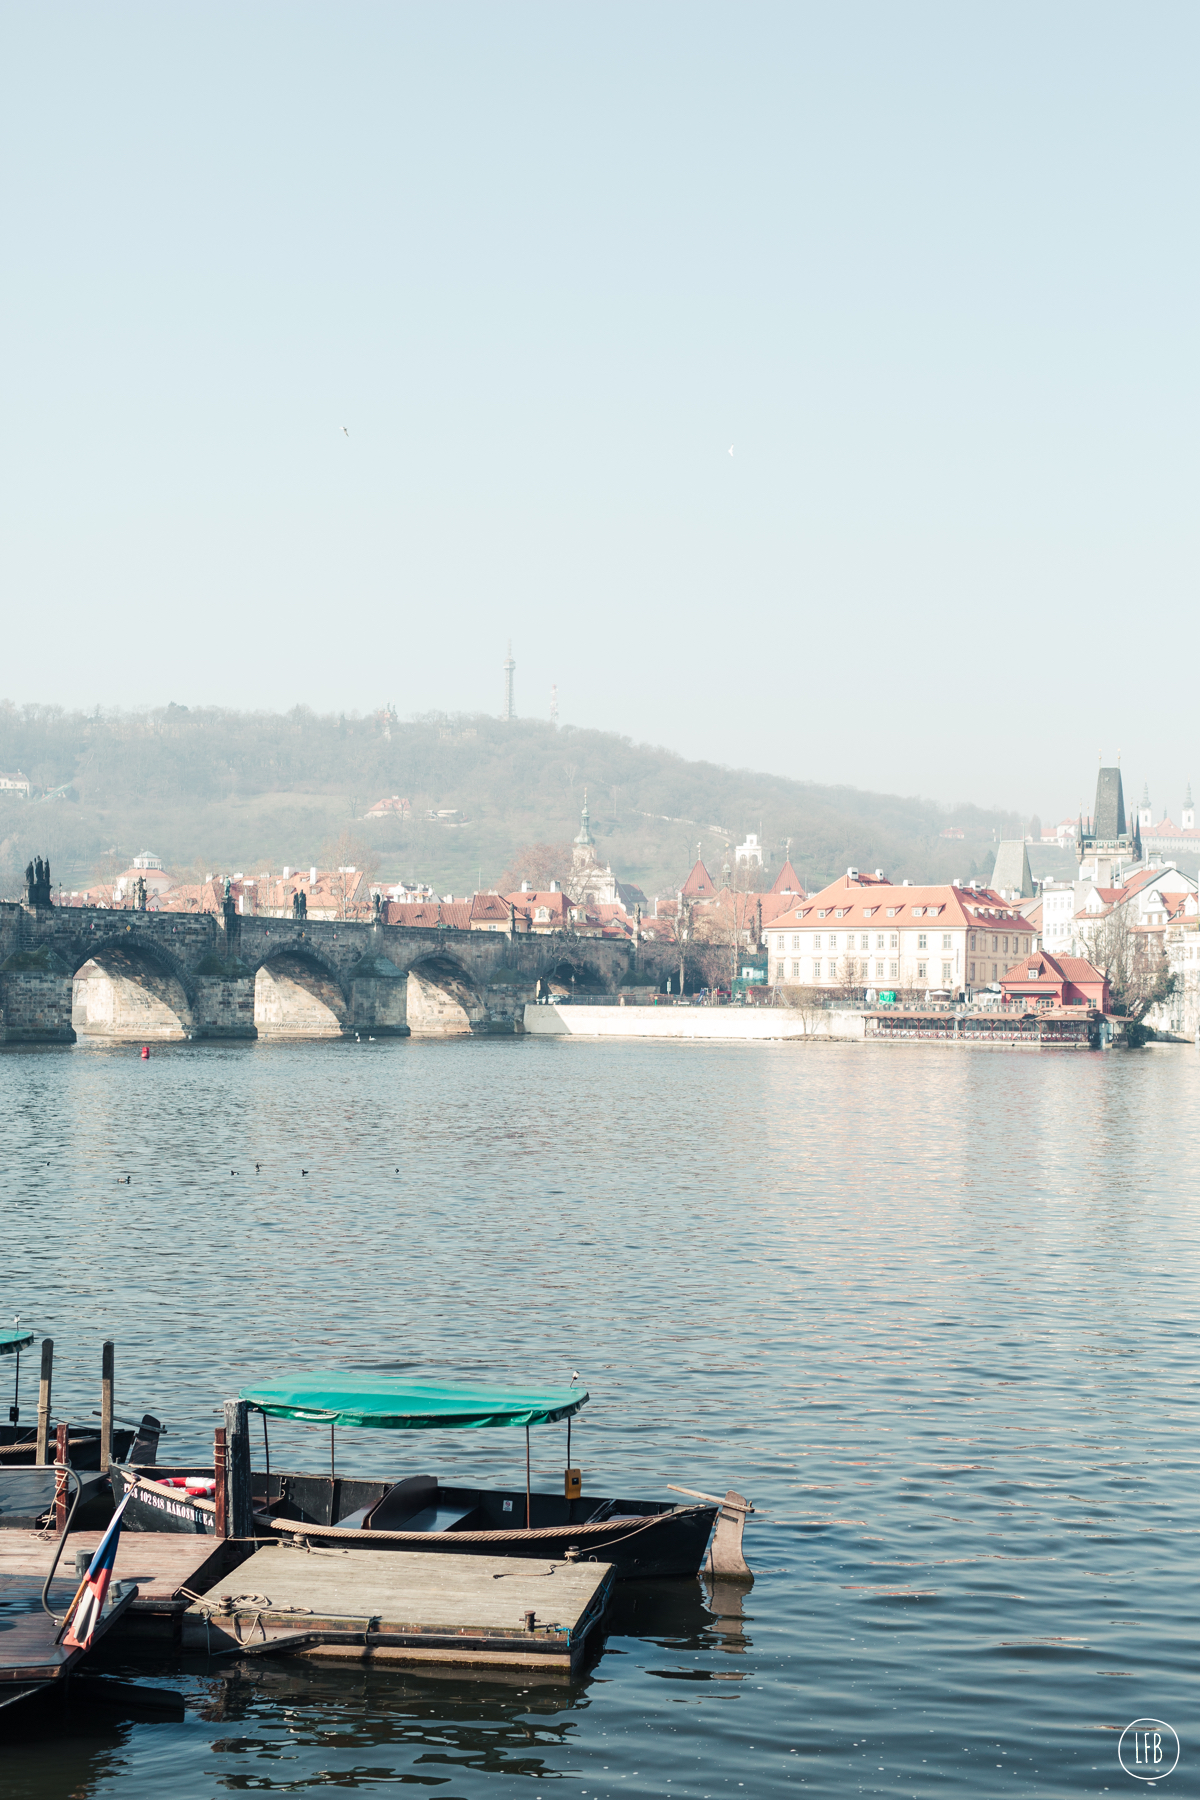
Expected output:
(731, 449)
(347, 432)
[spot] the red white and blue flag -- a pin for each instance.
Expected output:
(85, 1610)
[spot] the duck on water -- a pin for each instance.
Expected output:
(418, 1512)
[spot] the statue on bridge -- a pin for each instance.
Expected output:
(299, 904)
(37, 882)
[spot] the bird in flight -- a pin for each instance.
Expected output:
(731, 449)
(344, 428)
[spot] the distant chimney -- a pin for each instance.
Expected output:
(906, 884)
(525, 888)
(286, 870)
(556, 887)
(879, 875)
(312, 876)
(852, 874)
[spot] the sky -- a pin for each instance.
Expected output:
(344, 344)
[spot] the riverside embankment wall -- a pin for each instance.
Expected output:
(731, 1024)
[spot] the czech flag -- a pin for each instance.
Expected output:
(83, 1614)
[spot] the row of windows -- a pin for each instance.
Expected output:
(864, 941)
(1021, 946)
(847, 969)
(983, 974)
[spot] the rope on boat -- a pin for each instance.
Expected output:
(298, 1528)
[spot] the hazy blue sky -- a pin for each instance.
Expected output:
(930, 269)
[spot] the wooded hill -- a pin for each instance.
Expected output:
(225, 791)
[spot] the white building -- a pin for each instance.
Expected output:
(865, 931)
(750, 851)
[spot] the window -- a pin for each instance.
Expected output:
(921, 941)
(893, 970)
(1006, 946)
(816, 971)
(993, 971)
(879, 941)
(795, 971)
(833, 940)
(893, 941)
(879, 971)
(816, 940)
(795, 941)
(995, 947)
(945, 940)
(921, 971)
(865, 941)
(972, 975)
(972, 940)
(945, 973)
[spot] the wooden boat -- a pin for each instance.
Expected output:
(417, 1512)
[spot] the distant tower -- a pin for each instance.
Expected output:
(1145, 810)
(554, 704)
(1189, 811)
(509, 669)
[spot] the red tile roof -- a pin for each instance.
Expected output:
(699, 883)
(788, 882)
(865, 900)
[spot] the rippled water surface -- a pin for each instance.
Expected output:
(934, 1310)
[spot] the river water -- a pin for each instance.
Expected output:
(934, 1310)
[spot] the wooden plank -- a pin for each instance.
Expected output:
(160, 1562)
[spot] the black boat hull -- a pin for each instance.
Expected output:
(642, 1539)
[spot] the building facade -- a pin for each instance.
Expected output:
(865, 931)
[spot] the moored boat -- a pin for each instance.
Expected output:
(418, 1512)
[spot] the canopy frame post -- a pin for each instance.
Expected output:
(267, 1456)
(527, 1481)
(331, 1470)
(14, 1411)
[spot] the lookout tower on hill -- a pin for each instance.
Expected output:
(510, 669)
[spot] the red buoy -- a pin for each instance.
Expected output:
(145, 1052)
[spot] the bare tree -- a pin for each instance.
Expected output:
(1133, 963)
(851, 978)
(538, 864)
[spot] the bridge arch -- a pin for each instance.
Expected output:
(443, 999)
(297, 994)
(122, 987)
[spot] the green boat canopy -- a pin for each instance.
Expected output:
(11, 1341)
(392, 1405)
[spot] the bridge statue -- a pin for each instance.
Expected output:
(37, 882)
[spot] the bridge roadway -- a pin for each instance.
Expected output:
(205, 975)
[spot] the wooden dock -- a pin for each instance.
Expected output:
(159, 1563)
(377, 1606)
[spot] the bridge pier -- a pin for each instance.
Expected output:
(379, 998)
(35, 998)
(224, 1005)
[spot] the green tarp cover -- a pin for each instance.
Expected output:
(11, 1341)
(393, 1405)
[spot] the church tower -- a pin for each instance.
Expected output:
(1189, 812)
(1109, 843)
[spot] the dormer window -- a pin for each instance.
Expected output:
(891, 912)
(841, 912)
(918, 912)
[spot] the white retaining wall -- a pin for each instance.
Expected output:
(740, 1024)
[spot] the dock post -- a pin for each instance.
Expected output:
(106, 1404)
(239, 1508)
(62, 1456)
(222, 1528)
(42, 1453)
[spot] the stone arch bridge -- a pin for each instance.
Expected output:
(147, 975)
